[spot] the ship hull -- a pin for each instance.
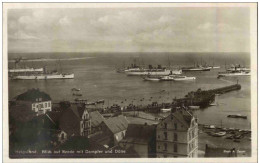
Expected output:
(26, 70)
(151, 79)
(184, 79)
(44, 77)
(196, 69)
(233, 74)
(152, 73)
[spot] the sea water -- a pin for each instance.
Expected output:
(96, 76)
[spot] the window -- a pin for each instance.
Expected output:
(45, 105)
(175, 138)
(158, 147)
(158, 136)
(165, 125)
(49, 104)
(62, 136)
(165, 135)
(175, 126)
(175, 148)
(165, 146)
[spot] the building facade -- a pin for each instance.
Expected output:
(85, 124)
(177, 135)
(141, 139)
(37, 101)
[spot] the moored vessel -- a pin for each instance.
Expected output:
(183, 78)
(43, 76)
(237, 116)
(234, 73)
(20, 70)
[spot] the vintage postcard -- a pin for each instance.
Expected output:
(113, 82)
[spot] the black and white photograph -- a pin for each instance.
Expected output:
(130, 80)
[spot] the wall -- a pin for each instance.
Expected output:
(119, 136)
(182, 138)
(141, 149)
(45, 106)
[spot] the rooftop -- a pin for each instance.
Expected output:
(96, 118)
(33, 95)
(117, 124)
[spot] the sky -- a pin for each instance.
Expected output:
(129, 30)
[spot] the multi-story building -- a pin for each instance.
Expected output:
(140, 138)
(37, 101)
(177, 135)
(75, 121)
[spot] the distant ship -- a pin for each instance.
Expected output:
(234, 73)
(214, 67)
(19, 70)
(196, 68)
(43, 76)
(23, 70)
(151, 71)
(176, 78)
(238, 68)
(183, 78)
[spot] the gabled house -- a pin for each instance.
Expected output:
(177, 135)
(75, 121)
(115, 128)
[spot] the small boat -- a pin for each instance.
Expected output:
(100, 101)
(237, 116)
(80, 100)
(149, 78)
(77, 94)
(183, 78)
(194, 107)
(166, 110)
(219, 134)
(75, 89)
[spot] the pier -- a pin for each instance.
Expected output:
(199, 98)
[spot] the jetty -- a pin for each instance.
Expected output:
(200, 98)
